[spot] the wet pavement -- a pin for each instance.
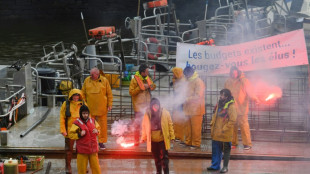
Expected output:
(263, 158)
(46, 137)
(186, 166)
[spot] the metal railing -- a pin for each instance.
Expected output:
(8, 99)
(285, 120)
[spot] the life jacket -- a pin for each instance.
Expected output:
(88, 143)
(141, 84)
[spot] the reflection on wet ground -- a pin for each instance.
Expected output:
(187, 166)
(47, 136)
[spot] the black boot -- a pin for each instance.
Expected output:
(226, 157)
(224, 170)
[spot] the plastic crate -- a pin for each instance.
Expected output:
(113, 80)
(34, 162)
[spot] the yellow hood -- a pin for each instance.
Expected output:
(178, 72)
(75, 91)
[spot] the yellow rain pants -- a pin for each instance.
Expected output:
(82, 162)
(103, 122)
(242, 122)
(193, 130)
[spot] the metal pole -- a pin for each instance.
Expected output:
(84, 28)
(207, 1)
(138, 11)
(48, 168)
(36, 123)
(246, 9)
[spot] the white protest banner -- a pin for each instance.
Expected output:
(283, 50)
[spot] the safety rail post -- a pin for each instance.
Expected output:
(37, 84)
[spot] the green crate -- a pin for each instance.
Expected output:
(34, 162)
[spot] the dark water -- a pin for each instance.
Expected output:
(25, 39)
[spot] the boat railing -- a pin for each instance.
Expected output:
(263, 28)
(193, 39)
(39, 94)
(55, 52)
(109, 59)
(8, 99)
(155, 10)
(166, 43)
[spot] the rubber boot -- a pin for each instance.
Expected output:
(68, 163)
(165, 161)
(226, 157)
(68, 154)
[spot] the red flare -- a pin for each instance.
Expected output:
(125, 145)
(270, 97)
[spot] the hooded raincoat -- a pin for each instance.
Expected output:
(195, 100)
(74, 110)
(66, 123)
(98, 95)
(239, 88)
(166, 127)
(140, 97)
(194, 109)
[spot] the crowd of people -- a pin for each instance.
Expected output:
(83, 117)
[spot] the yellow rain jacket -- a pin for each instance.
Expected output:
(222, 127)
(166, 127)
(178, 116)
(74, 110)
(98, 95)
(195, 101)
(238, 88)
(140, 98)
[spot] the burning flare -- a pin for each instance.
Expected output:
(125, 145)
(270, 97)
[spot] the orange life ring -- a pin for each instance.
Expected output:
(153, 40)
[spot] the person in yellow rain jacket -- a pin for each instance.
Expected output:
(240, 88)
(140, 90)
(194, 108)
(85, 130)
(178, 116)
(157, 132)
(99, 98)
(69, 112)
(222, 125)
